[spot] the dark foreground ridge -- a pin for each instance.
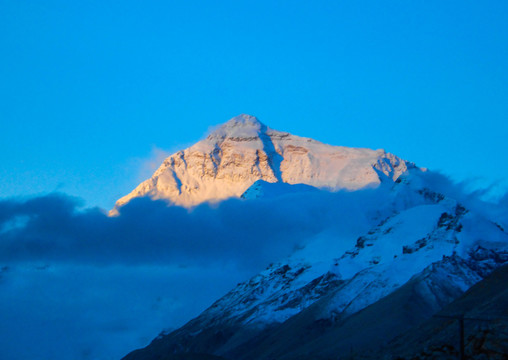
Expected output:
(485, 309)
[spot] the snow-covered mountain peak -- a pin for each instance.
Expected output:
(240, 126)
(242, 131)
(244, 150)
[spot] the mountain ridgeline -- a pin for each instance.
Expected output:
(420, 250)
(244, 150)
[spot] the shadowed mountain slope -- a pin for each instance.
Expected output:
(485, 309)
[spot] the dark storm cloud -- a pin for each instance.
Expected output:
(249, 233)
(54, 228)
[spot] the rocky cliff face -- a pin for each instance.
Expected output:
(244, 150)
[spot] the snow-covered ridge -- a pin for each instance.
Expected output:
(244, 150)
(420, 235)
(400, 246)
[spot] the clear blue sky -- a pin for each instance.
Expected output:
(89, 89)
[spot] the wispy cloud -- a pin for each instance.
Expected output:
(153, 161)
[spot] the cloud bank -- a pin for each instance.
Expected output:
(75, 283)
(249, 233)
(78, 284)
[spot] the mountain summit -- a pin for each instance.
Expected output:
(244, 150)
(241, 126)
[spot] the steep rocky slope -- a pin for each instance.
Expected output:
(309, 335)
